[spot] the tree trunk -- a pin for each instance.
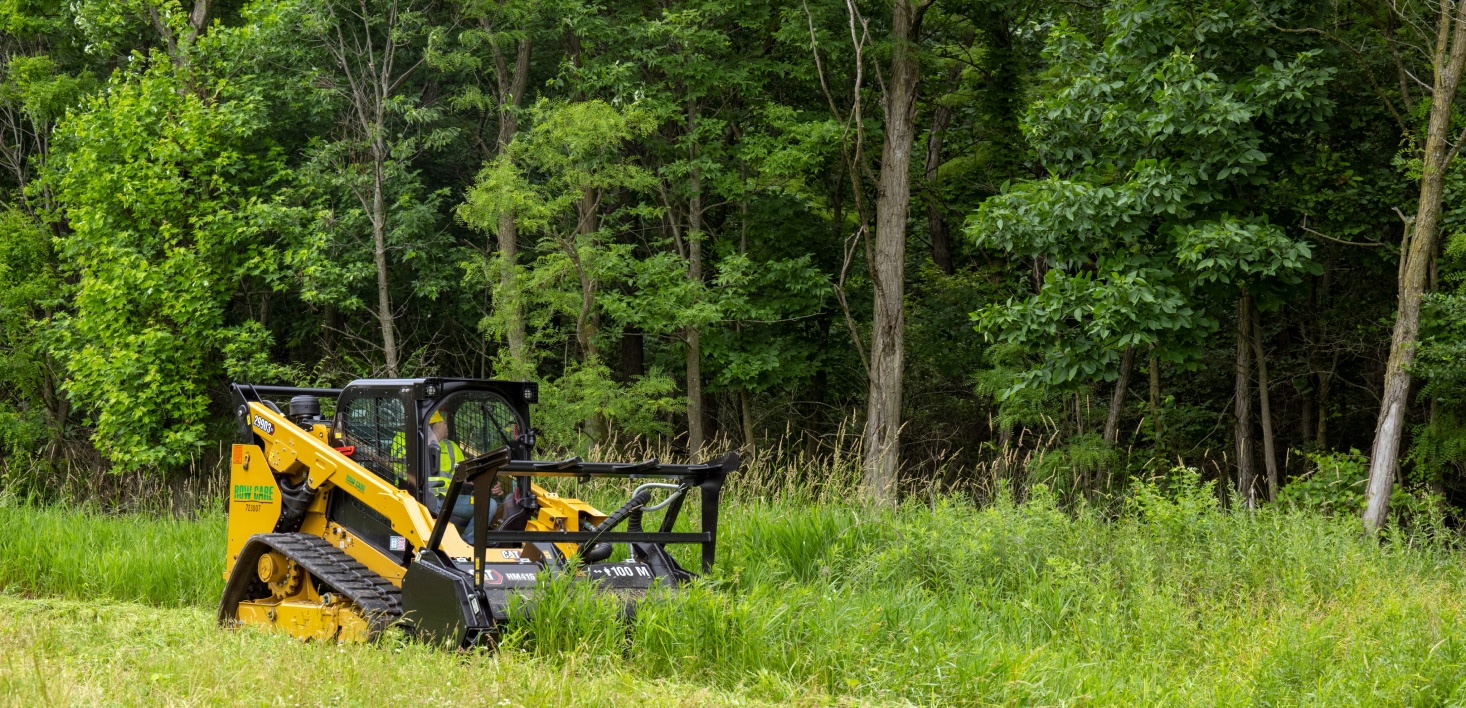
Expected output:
(58, 404)
(696, 410)
(1155, 394)
(746, 403)
(1416, 250)
(893, 200)
(329, 323)
(1117, 399)
(1269, 456)
(695, 401)
(371, 79)
(511, 94)
(588, 325)
(1325, 387)
(1305, 415)
(379, 240)
(1242, 400)
(935, 219)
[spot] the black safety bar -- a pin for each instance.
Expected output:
(708, 477)
(251, 392)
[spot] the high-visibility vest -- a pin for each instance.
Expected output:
(449, 455)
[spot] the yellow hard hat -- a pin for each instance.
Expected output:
(437, 418)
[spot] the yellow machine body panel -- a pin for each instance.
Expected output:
(254, 499)
(559, 513)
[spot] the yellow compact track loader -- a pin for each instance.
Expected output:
(342, 526)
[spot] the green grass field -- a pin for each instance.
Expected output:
(1175, 602)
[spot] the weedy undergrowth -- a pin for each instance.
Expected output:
(1174, 600)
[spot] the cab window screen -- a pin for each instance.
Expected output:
(377, 427)
(480, 422)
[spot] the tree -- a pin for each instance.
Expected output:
(372, 43)
(166, 195)
(573, 149)
(888, 255)
(1440, 31)
(1151, 148)
(484, 48)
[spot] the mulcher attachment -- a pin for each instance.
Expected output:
(461, 601)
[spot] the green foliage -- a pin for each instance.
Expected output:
(37, 86)
(1180, 504)
(1334, 484)
(587, 391)
(31, 289)
(1146, 138)
(1075, 466)
(167, 198)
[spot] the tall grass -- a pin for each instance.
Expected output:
(158, 560)
(1177, 602)
(1172, 601)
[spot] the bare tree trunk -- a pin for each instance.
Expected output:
(379, 240)
(1155, 393)
(1117, 399)
(1415, 251)
(329, 323)
(746, 403)
(935, 219)
(1269, 456)
(1242, 400)
(1325, 387)
(695, 407)
(511, 94)
(198, 19)
(888, 274)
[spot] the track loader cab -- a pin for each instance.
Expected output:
(342, 525)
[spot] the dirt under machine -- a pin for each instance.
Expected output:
(415, 503)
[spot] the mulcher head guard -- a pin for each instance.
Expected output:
(460, 601)
(388, 512)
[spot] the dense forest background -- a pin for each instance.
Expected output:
(978, 243)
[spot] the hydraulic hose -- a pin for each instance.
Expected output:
(601, 551)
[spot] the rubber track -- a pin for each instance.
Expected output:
(376, 597)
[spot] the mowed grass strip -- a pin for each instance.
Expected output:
(74, 653)
(1175, 602)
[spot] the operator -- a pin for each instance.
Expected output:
(449, 455)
